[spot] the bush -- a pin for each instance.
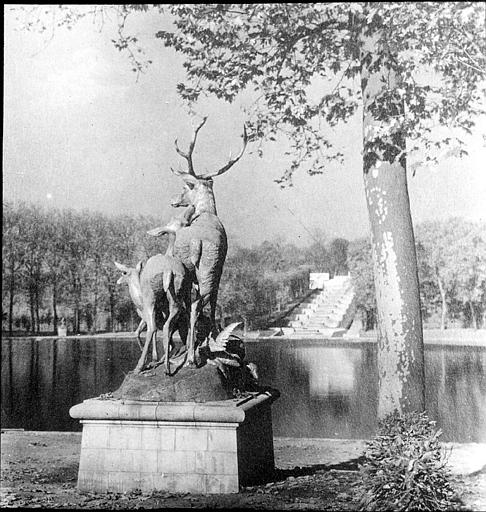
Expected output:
(404, 467)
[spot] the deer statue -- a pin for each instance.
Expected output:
(202, 245)
(160, 288)
(135, 294)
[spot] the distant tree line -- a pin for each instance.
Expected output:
(60, 263)
(452, 272)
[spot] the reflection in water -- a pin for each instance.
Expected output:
(318, 384)
(42, 379)
(332, 375)
(328, 388)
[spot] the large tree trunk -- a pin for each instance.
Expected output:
(443, 316)
(400, 342)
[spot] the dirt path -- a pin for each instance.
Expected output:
(39, 470)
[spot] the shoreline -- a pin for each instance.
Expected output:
(448, 337)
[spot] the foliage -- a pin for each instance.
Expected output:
(452, 260)
(60, 263)
(63, 260)
(338, 254)
(451, 257)
(361, 268)
(258, 281)
(300, 64)
(404, 467)
(284, 53)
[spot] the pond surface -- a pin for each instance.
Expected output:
(328, 387)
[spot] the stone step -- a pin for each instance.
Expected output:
(324, 310)
(306, 332)
(295, 323)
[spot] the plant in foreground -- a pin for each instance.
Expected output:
(405, 467)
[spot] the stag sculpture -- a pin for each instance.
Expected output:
(202, 245)
(162, 286)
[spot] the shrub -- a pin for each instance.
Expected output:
(404, 467)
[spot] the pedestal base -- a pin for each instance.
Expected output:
(211, 447)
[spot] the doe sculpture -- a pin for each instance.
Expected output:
(162, 285)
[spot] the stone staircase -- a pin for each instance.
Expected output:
(328, 312)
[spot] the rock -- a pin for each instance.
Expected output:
(187, 385)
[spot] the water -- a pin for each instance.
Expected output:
(328, 387)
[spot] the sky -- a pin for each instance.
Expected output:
(81, 132)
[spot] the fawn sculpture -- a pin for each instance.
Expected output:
(162, 285)
(202, 245)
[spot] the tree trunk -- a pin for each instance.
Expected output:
(37, 307)
(245, 325)
(112, 313)
(11, 300)
(443, 316)
(92, 329)
(95, 306)
(77, 314)
(473, 315)
(400, 343)
(32, 309)
(54, 306)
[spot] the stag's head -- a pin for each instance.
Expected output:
(195, 189)
(199, 187)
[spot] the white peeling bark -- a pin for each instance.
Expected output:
(400, 341)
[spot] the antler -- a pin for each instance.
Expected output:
(188, 155)
(232, 161)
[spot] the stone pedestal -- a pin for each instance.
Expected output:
(211, 447)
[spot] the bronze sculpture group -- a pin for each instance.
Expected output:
(170, 290)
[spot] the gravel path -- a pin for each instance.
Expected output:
(39, 470)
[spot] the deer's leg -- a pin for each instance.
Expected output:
(155, 356)
(168, 331)
(183, 325)
(191, 348)
(184, 321)
(141, 326)
(212, 304)
(150, 334)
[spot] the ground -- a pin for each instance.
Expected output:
(39, 470)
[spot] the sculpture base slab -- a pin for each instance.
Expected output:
(213, 447)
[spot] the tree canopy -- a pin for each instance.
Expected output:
(301, 65)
